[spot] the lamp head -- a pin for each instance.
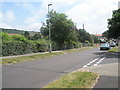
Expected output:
(49, 4)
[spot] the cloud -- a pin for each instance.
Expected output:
(93, 13)
(28, 27)
(28, 6)
(1, 17)
(9, 16)
(34, 26)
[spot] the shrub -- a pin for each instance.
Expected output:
(18, 44)
(16, 48)
(41, 45)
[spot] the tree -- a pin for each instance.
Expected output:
(83, 36)
(26, 34)
(114, 25)
(95, 39)
(61, 29)
(106, 34)
(35, 37)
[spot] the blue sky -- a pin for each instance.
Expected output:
(28, 15)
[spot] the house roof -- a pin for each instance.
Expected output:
(98, 35)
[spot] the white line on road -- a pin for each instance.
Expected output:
(99, 61)
(94, 61)
(91, 62)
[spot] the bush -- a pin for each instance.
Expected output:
(18, 44)
(41, 45)
(16, 48)
(54, 46)
(78, 45)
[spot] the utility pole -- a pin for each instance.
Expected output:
(83, 26)
(49, 29)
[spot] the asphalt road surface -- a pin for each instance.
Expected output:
(36, 74)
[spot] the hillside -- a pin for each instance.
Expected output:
(15, 31)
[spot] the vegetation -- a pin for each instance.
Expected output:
(16, 31)
(19, 44)
(106, 34)
(75, 80)
(64, 35)
(64, 32)
(14, 60)
(114, 49)
(113, 25)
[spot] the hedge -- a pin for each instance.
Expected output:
(13, 48)
(19, 48)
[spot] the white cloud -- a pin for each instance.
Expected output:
(94, 14)
(30, 20)
(4, 25)
(1, 16)
(33, 26)
(9, 16)
(28, 27)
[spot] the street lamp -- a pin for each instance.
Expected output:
(49, 28)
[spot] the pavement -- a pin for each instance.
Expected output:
(38, 73)
(27, 54)
(108, 71)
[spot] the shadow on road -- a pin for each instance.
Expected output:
(99, 53)
(109, 54)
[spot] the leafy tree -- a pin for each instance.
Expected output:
(61, 28)
(26, 34)
(95, 39)
(83, 36)
(106, 34)
(35, 37)
(114, 24)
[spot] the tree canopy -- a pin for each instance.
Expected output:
(114, 25)
(62, 28)
(64, 31)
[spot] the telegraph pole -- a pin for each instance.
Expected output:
(49, 29)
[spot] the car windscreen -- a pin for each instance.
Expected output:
(104, 45)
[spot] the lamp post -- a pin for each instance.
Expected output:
(49, 28)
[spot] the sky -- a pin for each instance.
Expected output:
(29, 14)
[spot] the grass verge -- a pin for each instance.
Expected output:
(14, 60)
(75, 80)
(114, 49)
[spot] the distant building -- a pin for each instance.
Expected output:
(101, 38)
(13, 34)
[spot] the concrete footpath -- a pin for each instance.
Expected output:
(27, 54)
(108, 75)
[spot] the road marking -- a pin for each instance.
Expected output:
(99, 61)
(85, 66)
(94, 61)
(91, 62)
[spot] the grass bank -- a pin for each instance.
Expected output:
(75, 80)
(114, 49)
(14, 60)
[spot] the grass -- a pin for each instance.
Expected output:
(114, 49)
(76, 50)
(75, 80)
(14, 60)
(28, 58)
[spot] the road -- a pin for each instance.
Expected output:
(107, 69)
(36, 74)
